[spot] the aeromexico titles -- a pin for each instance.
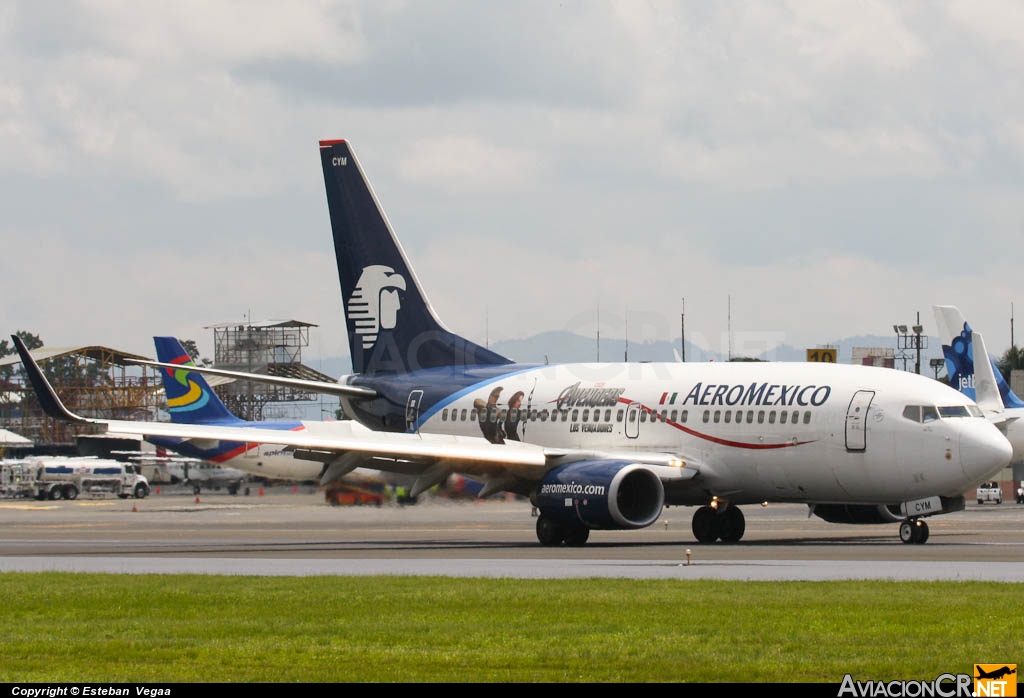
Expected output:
(608, 446)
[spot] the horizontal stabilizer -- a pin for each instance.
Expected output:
(314, 386)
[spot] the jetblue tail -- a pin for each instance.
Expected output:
(189, 397)
(391, 326)
(958, 350)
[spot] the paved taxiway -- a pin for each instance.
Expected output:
(289, 531)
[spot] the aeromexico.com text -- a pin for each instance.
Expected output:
(572, 488)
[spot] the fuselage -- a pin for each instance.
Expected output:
(755, 431)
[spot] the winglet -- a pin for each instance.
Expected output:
(48, 399)
(986, 391)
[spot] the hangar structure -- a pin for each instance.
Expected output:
(92, 380)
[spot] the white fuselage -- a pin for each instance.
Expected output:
(756, 431)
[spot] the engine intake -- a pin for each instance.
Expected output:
(601, 494)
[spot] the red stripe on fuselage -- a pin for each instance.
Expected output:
(708, 437)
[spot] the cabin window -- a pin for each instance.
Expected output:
(782, 417)
(472, 415)
(807, 417)
(586, 415)
(718, 416)
(618, 415)
(728, 416)
(608, 415)
(750, 416)
(575, 415)
(565, 415)
(707, 416)
(760, 416)
(682, 417)
(795, 418)
(643, 416)
(771, 416)
(444, 415)
(673, 415)
(664, 415)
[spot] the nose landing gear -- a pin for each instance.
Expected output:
(913, 531)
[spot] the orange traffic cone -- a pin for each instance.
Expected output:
(261, 491)
(134, 508)
(197, 500)
(158, 489)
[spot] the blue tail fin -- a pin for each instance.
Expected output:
(189, 397)
(958, 350)
(391, 326)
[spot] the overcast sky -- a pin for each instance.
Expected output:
(801, 171)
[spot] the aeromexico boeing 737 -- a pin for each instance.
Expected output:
(608, 446)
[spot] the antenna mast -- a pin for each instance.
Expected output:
(682, 333)
(729, 323)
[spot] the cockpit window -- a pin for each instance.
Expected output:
(975, 411)
(929, 413)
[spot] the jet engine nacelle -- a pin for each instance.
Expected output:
(601, 494)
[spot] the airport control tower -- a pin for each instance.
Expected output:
(272, 347)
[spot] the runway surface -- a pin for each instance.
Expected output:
(293, 532)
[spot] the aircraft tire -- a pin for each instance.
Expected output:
(549, 533)
(921, 532)
(913, 531)
(577, 536)
(732, 525)
(705, 525)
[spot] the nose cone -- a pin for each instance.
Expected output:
(984, 451)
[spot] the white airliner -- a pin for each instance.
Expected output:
(608, 446)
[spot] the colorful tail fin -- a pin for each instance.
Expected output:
(958, 349)
(189, 397)
(391, 326)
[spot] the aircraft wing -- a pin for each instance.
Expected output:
(324, 387)
(346, 445)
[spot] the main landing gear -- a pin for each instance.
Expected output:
(913, 531)
(722, 522)
(552, 533)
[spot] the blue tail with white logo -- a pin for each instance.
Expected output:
(190, 399)
(392, 328)
(958, 350)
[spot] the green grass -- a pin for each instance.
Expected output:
(63, 627)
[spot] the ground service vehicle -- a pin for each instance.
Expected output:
(990, 492)
(67, 478)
